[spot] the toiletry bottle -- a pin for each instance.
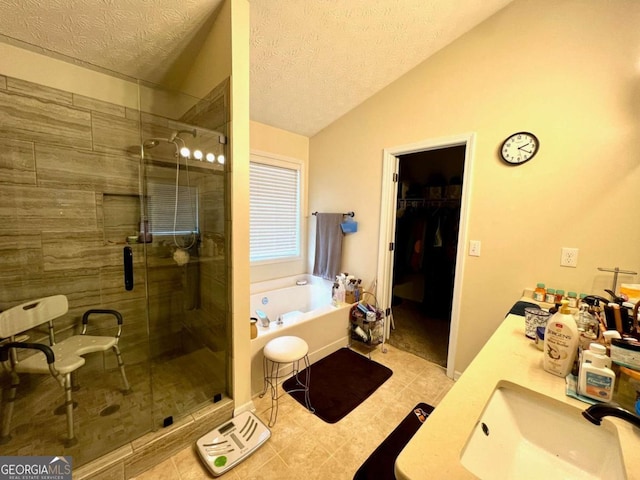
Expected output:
(560, 342)
(573, 299)
(596, 378)
(539, 293)
(550, 296)
(341, 292)
(334, 294)
(588, 326)
(581, 298)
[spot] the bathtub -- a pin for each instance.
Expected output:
(306, 312)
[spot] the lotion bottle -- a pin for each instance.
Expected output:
(596, 379)
(560, 342)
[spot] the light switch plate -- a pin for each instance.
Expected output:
(474, 248)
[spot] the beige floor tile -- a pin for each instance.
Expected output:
(330, 469)
(274, 469)
(304, 447)
(427, 387)
(330, 436)
(163, 471)
(190, 467)
(305, 454)
(256, 460)
(284, 432)
(357, 449)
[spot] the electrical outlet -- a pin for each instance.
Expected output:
(569, 257)
(474, 248)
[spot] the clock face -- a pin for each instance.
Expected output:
(519, 148)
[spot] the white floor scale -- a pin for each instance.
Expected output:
(229, 444)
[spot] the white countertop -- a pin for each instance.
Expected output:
(434, 451)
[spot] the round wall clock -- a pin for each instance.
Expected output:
(519, 148)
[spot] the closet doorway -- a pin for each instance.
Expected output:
(426, 239)
(426, 192)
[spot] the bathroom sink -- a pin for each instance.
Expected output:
(524, 434)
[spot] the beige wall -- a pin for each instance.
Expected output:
(239, 169)
(271, 141)
(213, 61)
(568, 71)
(27, 65)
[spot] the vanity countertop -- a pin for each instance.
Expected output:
(435, 449)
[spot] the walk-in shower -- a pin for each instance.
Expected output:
(89, 176)
(183, 153)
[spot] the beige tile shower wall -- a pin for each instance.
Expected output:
(73, 168)
(210, 321)
(17, 162)
(69, 184)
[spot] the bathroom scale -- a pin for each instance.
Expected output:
(226, 446)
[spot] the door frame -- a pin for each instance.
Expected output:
(388, 209)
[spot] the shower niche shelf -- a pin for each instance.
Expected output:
(121, 217)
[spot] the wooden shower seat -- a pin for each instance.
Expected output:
(58, 359)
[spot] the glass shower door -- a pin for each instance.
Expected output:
(185, 208)
(69, 192)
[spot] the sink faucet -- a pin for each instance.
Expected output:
(264, 318)
(595, 414)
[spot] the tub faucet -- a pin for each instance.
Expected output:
(264, 319)
(596, 412)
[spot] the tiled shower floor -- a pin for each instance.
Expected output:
(105, 418)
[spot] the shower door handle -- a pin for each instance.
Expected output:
(128, 268)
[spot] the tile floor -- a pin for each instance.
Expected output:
(419, 333)
(304, 447)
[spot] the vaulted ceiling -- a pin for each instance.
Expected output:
(311, 60)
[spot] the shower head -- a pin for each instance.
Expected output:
(175, 134)
(151, 142)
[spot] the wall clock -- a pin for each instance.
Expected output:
(519, 148)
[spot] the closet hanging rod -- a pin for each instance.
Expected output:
(348, 214)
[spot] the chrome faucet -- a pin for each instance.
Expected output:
(279, 321)
(595, 414)
(264, 318)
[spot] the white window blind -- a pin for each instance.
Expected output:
(161, 198)
(274, 211)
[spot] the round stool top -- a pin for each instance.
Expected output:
(286, 349)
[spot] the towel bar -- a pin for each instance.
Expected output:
(348, 214)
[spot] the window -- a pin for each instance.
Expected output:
(274, 189)
(164, 217)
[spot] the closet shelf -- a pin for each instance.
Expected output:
(424, 202)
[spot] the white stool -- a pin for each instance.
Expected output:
(283, 350)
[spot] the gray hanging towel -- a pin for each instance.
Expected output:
(328, 258)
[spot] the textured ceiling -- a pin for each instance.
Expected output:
(139, 38)
(314, 60)
(311, 60)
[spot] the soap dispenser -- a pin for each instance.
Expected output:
(560, 342)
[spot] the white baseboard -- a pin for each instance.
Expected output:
(249, 406)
